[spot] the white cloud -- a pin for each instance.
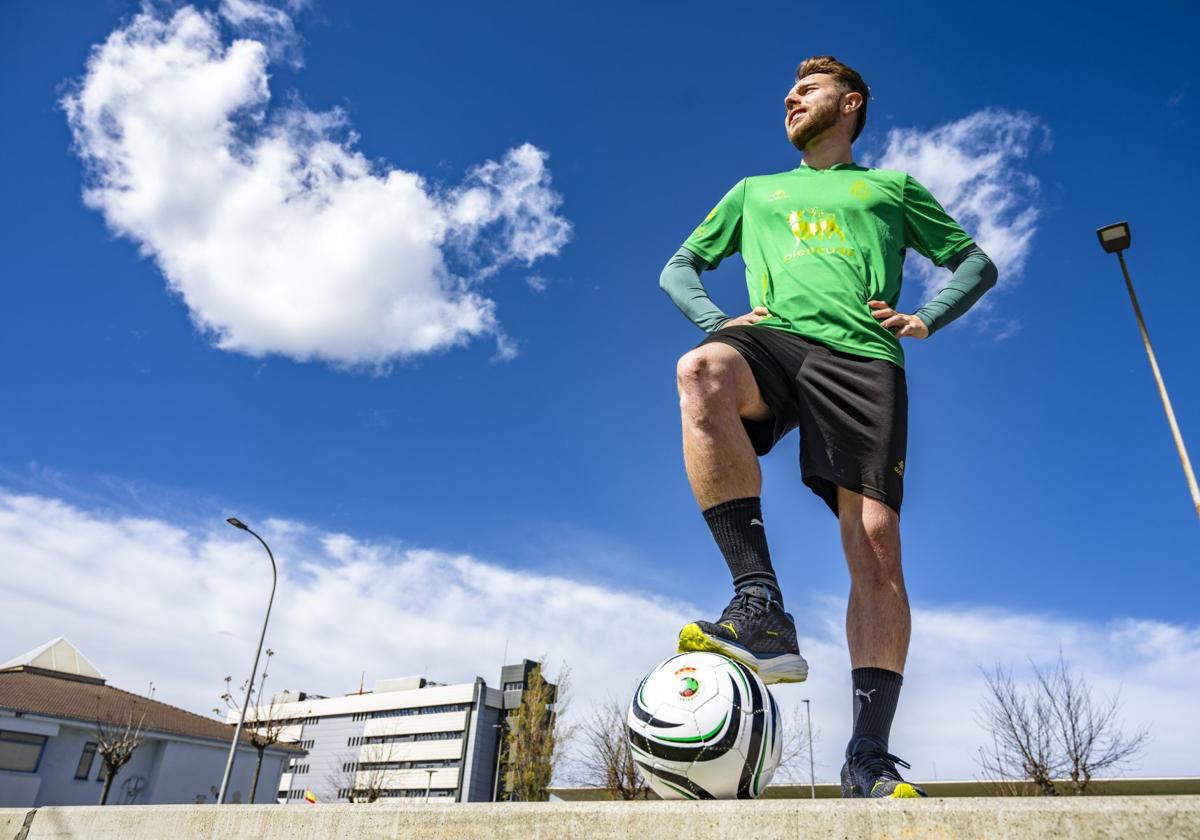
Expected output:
(280, 237)
(147, 599)
(976, 168)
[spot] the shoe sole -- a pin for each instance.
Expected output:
(784, 668)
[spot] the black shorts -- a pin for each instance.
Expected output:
(852, 411)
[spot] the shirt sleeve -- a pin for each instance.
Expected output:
(928, 228)
(973, 275)
(720, 234)
(681, 281)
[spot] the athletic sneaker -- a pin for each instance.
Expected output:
(755, 631)
(871, 773)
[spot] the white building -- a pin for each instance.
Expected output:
(51, 701)
(405, 738)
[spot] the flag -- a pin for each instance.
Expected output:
(310, 797)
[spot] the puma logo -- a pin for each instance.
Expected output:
(858, 692)
(757, 522)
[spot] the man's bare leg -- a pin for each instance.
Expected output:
(878, 622)
(878, 625)
(716, 390)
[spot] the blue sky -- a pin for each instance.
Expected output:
(1042, 479)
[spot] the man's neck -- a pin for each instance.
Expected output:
(823, 152)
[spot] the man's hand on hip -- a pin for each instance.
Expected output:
(752, 317)
(901, 325)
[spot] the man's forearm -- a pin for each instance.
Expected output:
(680, 279)
(974, 273)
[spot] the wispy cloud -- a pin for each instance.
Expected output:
(149, 598)
(280, 237)
(977, 168)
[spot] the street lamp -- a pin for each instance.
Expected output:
(428, 785)
(1114, 239)
(812, 770)
(237, 733)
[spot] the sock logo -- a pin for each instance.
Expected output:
(858, 692)
(757, 522)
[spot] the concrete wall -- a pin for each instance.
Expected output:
(1075, 818)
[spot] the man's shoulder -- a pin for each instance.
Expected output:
(889, 175)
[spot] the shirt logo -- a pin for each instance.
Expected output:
(860, 190)
(778, 194)
(814, 224)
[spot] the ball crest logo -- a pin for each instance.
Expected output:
(688, 684)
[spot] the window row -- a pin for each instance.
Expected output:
(420, 736)
(408, 765)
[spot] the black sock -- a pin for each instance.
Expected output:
(876, 692)
(737, 526)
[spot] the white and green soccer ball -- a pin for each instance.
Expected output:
(702, 726)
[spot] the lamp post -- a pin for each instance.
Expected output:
(428, 785)
(1114, 239)
(812, 770)
(237, 733)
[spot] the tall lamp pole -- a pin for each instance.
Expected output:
(237, 733)
(812, 769)
(1115, 239)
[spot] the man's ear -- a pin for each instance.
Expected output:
(851, 102)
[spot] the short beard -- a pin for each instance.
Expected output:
(819, 120)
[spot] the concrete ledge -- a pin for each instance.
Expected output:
(1176, 817)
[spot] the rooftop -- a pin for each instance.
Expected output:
(56, 681)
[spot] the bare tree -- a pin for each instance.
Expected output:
(606, 760)
(115, 742)
(363, 774)
(794, 764)
(264, 728)
(1051, 729)
(536, 736)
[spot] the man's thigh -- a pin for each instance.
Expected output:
(772, 359)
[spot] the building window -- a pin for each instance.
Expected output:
(85, 761)
(20, 751)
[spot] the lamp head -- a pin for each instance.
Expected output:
(237, 523)
(1114, 237)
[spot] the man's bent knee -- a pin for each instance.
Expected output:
(717, 373)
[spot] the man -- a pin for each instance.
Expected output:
(824, 247)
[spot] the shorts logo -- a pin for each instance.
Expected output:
(899, 468)
(860, 190)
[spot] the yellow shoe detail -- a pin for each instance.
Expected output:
(729, 626)
(692, 638)
(772, 632)
(905, 791)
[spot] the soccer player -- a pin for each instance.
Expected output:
(824, 248)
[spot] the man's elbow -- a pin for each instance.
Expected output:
(990, 274)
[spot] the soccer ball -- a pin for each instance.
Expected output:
(702, 726)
